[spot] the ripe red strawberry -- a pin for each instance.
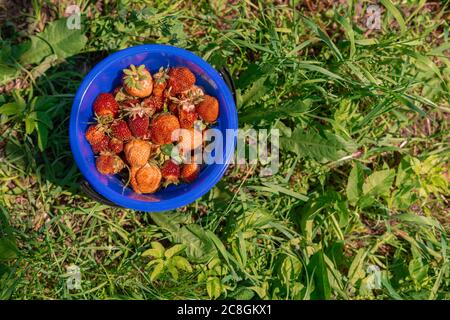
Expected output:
(120, 130)
(106, 106)
(138, 81)
(190, 171)
(173, 107)
(180, 79)
(160, 82)
(139, 119)
(115, 145)
(95, 133)
(170, 171)
(186, 117)
(101, 146)
(162, 128)
(109, 163)
(208, 109)
(154, 102)
(139, 126)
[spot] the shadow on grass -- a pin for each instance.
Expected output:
(55, 164)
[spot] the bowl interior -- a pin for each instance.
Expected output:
(104, 78)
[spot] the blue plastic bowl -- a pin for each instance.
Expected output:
(104, 78)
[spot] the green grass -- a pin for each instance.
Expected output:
(364, 156)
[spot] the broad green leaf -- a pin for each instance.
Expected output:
(173, 271)
(417, 270)
(10, 109)
(157, 271)
(159, 248)
(379, 182)
(44, 119)
(30, 123)
(34, 50)
(55, 39)
(199, 247)
(404, 171)
(403, 198)
(182, 263)
(290, 269)
(242, 293)
(152, 253)
(311, 144)
(317, 268)
(252, 74)
(8, 249)
(7, 73)
(387, 284)
(174, 250)
(289, 109)
(42, 132)
(256, 91)
(165, 221)
(214, 287)
(354, 184)
(422, 220)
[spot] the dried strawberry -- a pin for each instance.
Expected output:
(101, 146)
(190, 171)
(138, 81)
(208, 109)
(115, 145)
(145, 179)
(137, 152)
(106, 106)
(162, 127)
(170, 171)
(120, 130)
(109, 164)
(180, 79)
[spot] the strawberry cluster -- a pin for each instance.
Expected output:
(135, 123)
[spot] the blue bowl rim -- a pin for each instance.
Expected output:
(186, 198)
